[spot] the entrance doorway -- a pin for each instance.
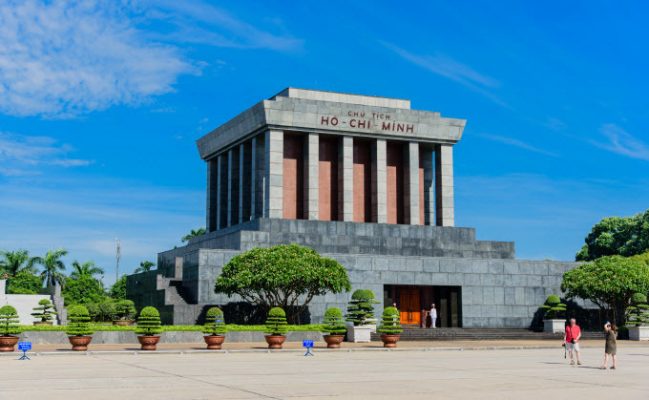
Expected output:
(412, 299)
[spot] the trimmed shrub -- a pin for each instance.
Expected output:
(8, 321)
(638, 311)
(276, 322)
(553, 307)
(333, 322)
(45, 311)
(79, 321)
(148, 323)
(24, 282)
(124, 310)
(361, 307)
(390, 322)
(214, 322)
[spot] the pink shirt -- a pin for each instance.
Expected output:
(572, 332)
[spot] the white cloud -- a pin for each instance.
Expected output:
(198, 22)
(22, 155)
(452, 69)
(62, 58)
(518, 143)
(622, 142)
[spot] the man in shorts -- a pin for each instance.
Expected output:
(571, 339)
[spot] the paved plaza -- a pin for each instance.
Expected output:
(364, 373)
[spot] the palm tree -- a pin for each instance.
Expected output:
(15, 261)
(193, 233)
(87, 269)
(145, 266)
(53, 267)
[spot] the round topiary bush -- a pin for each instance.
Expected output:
(44, 313)
(124, 310)
(148, 323)
(276, 322)
(214, 322)
(553, 307)
(638, 311)
(79, 318)
(361, 307)
(333, 322)
(8, 321)
(390, 322)
(638, 298)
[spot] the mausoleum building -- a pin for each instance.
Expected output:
(365, 180)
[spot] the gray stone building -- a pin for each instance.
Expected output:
(365, 180)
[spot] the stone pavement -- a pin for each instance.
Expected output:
(410, 373)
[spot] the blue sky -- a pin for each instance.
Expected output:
(101, 103)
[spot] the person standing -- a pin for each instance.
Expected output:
(433, 316)
(571, 339)
(610, 349)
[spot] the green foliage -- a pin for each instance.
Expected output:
(97, 326)
(214, 322)
(13, 262)
(609, 282)
(361, 307)
(193, 233)
(284, 275)
(390, 322)
(334, 324)
(276, 322)
(638, 311)
(83, 290)
(53, 267)
(553, 307)
(145, 266)
(118, 290)
(8, 321)
(124, 310)
(24, 282)
(44, 311)
(86, 269)
(79, 321)
(148, 323)
(626, 236)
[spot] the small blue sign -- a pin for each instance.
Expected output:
(307, 344)
(24, 346)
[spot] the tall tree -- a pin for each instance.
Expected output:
(625, 236)
(88, 269)
(194, 233)
(288, 276)
(13, 262)
(53, 267)
(145, 266)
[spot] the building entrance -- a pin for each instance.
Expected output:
(413, 302)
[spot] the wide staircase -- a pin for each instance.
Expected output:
(416, 333)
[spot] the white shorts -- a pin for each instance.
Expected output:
(572, 346)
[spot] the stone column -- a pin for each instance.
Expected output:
(253, 178)
(347, 173)
(429, 187)
(210, 201)
(313, 175)
(274, 161)
(230, 194)
(379, 182)
(412, 197)
(219, 188)
(444, 185)
(242, 180)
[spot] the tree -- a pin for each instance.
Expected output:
(53, 267)
(626, 236)
(609, 282)
(145, 266)
(83, 290)
(194, 233)
(118, 290)
(287, 276)
(88, 269)
(24, 282)
(13, 262)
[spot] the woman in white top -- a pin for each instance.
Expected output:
(433, 316)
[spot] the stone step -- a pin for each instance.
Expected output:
(482, 334)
